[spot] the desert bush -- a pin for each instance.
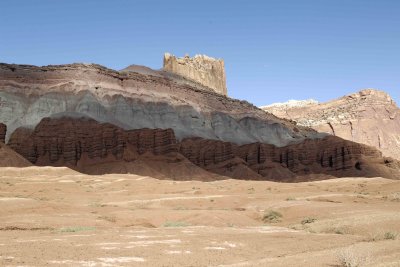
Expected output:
(390, 235)
(77, 229)
(339, 230)
(395, 197)
(372, 237)
(111, 219)
(342, 230)
(351, 258)
(272, 216)
(175, 224)
(308, 220)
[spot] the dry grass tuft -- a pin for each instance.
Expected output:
(388, 235)
(351, 258)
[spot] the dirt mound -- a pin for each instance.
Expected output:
(173, 166)
(10, 158)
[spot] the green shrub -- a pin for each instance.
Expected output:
(272, 216)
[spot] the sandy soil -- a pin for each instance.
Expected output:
(58, 217)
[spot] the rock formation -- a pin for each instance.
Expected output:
(3, 130)
(8, 157)
(369, 117)
(67, 141)
(279, 108)
(84, 144)
(135, 100)
(205, 70)
(97, 120)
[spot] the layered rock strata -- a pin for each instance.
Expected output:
(3, 130)
(78, 143)
(370, 117)
(135, 99)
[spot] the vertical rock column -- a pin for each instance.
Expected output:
(3, 130)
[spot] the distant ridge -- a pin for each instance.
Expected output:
(370, 117)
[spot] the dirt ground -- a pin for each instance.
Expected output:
(58, 217)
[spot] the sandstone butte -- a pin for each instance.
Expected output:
(139, 120)
(369, 117)
(205, 70)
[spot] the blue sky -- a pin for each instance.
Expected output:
(273, 50)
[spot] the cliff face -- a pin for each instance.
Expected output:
(79, 143)
(97, 120)
(370, 117)
(68, 141)
(328, 156)
(205, 70)
(135, 99)
(3, 131)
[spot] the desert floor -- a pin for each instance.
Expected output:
(58, 217)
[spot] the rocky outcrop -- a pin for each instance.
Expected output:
(3, 130)
(8, 157)
(135, 98)
(78, 143)
(101, 121)
(330, 156)
(205, 70)
(370, 117)
(280, 108)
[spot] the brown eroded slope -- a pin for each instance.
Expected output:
(95, 148)
(8, 157)
(369, 117)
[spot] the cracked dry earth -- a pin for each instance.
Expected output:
(58, 217)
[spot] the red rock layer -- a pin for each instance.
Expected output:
(330, 155)
(79, 142)
(3, 130)
(69, 141)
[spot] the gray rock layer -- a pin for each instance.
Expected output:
(133, 100)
